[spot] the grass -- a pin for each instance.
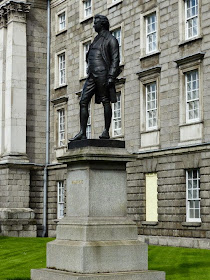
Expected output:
(19, 255)
(180, 263)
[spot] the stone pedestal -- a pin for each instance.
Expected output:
(96, 240)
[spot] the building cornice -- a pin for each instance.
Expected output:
(149, 71)
(190, 58)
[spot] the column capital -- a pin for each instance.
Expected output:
(13, 11)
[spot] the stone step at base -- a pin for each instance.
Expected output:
(50, 274)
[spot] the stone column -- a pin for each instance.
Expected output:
(16, 81)
(2, 76)
(96, 240)
(16, 218)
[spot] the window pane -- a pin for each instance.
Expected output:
(116, 117)
(151, 32)
(151, 105)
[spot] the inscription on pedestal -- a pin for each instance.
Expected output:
(77, 182)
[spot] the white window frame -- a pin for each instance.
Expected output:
(150, 137)
(183, 23)
(83, 63)
(191, 130)
(153, 109)
(89, 122)
(153, 32)
(60, 70)
(195, 100)
(60, 199)
(188, 19)
(183, 114)
(191, 198)
(117, 132)
(144, 52)
(82, 8)
(62, 21)
(120, 41)
(61, 127)
(87, 8)
(57, 21)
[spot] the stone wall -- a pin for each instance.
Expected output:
(36, 80)
(170, 169)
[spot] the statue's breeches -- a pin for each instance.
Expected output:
(95, 84)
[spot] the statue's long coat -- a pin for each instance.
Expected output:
(111, 56)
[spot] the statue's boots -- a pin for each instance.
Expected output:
(79, 136)
(83, 123)
(104, 135)
(107, 118)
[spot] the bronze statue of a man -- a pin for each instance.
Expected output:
(103, 67)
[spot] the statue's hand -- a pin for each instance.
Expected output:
(110, 82)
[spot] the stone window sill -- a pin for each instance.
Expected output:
(86, 19)
(149, 223)
(60, 87)
(190, 123)
(61, 32)
(150, 55)
(191, 224)
(114, 4)
(190, 41)
(148, 131)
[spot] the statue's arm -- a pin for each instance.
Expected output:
(114, 58)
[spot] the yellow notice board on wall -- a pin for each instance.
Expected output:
(151, 198)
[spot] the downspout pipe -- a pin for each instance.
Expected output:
(47, 156)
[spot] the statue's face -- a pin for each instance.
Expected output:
(97, 25)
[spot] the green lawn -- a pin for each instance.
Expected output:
(19, 255)
(180, 263)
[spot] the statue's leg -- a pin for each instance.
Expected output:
(107, 118)
(86, 96)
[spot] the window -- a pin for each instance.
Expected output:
(88, 129)
(191, 15)
(189, 21)
(151, 197)
(151, 106)
(192, 95)
(193, 196)
(85, 50)
(151, 33)
(62, 21)
(60, 199)
(61, 127)
(87, 8)
(117, 34)
(62, 69)
(116, 117)
(191, 98)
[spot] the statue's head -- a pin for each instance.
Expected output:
(101, 22)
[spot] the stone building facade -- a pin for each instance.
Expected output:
(161, 113)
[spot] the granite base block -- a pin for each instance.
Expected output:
(51, 274)
(97, 256)
(96, 229)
